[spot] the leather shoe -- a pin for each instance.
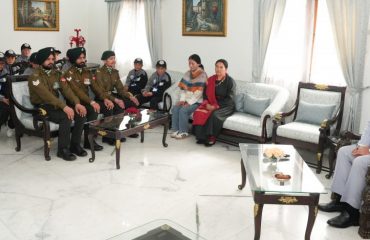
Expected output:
(78, 150)
(344, 220)
(97, 147)
(333, 206)
(66, 155)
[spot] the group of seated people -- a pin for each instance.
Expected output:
(209, 100)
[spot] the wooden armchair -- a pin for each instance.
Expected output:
(303, 130)
(27, 118)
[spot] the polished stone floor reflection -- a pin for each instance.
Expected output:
(187, 183)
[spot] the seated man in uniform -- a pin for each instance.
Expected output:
(349, 182)
(156, 86)
(25, 53)
(136, 78)
(108, 79)
(33, 63)
(43, 85)
(80, 79)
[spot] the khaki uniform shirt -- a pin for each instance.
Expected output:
(44, 86)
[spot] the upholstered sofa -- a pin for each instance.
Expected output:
(255, 124)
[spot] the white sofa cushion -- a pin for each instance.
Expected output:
(300, 131)
(244, 123)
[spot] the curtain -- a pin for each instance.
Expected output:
(130, 41)
(350, 19)
(153, 28)
(288, 53)
(114, 9)
(267, 18)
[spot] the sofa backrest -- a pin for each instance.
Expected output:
(21, 93)
(259, 90)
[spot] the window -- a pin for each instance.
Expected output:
(293, 55)
(131, 40)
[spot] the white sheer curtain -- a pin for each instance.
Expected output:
(288, 53)
(267, 18)
(114, 9)
(325, 62)
(350, 19)
(131, 41)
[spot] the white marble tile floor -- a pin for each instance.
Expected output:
(187, 183)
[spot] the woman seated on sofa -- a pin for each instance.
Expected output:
(218, 104)
(191, 85)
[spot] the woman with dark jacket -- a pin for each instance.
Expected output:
(218, 104)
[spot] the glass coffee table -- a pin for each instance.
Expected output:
(287, 181)
(125, 124)
(159, 230)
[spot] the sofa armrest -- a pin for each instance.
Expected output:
(171, 96)
(277, 104)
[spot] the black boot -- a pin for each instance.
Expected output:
(66, 154)
(350, 216)
(78, 150)
(334, 206)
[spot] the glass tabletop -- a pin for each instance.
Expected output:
(125, 121)
(162, 229)
(263, 172)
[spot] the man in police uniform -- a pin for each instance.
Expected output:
(136, 78)
(349, 182)
(25, 53)
(43, 86)
(156, 86)
(33, 65)
(80, 79)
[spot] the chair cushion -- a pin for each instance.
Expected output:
(254, 105)
(26, 102)
(314, 113)
(27, 121)
(301, 131)
(244, 123)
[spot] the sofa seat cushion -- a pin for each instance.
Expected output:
(301, 131)
(160, 105)
(27, 121)
(244, 123)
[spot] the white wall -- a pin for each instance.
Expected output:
(73, 14)
(236, 47)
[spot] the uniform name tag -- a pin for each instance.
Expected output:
(155, 89)
(87, 81)
(161, 83)
(56, 85)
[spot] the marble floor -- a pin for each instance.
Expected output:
(189, 184)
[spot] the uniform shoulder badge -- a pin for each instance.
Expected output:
(69, 79)
(36, 82)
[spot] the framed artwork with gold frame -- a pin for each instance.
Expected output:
(36, 15)
(204, 17)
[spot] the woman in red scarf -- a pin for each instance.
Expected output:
(218, 104)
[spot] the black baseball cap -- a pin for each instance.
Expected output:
(25, 45)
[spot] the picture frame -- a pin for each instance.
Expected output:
(36, 15)
(204, 18)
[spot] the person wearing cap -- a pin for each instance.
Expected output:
(25, 53)
(156, 86)
(136, 78)
(191, 95)
(218, 104)
(80, 80)
(10, 64)
(4, 102)
(44, 85)
(109, 80)
(33, 65)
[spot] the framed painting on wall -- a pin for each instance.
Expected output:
(204, 17)
(36, 15)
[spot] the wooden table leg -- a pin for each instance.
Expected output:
(142, 136)
(118, 153)
(312, 213)
(257, 220)
(244, 175)
(91, 142)
(165, 130)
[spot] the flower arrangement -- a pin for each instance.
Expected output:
(274, 153)
(78, 40)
